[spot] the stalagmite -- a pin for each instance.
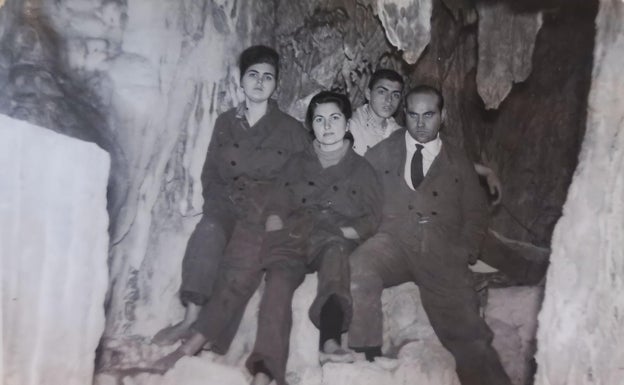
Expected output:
(581, 332)
(53, 252)
(506, 42)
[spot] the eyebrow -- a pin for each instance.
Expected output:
(263, 73)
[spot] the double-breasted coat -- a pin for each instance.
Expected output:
(428, 236)
(241, 165)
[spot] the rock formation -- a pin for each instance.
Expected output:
(53, 252)
(146, 79)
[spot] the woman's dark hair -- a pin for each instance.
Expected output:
(324, 97)
(258, 54)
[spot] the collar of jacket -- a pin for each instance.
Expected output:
(396, 142)
(348, 157)
(240, 109)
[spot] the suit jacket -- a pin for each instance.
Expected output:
(448, 211)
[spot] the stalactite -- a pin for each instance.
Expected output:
(407, 25)
(506, 42)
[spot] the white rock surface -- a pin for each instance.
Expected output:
(407, 24)
(53, 253)
(581, 330)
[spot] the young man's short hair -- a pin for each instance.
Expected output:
(258, 54)
(387, 74)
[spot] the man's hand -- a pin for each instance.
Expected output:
(273, 223)
(350, 233)
(494, 184)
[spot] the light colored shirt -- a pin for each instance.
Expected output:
(366, 129)
(430, 151)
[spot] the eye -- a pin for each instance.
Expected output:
(317, 120)
(268, 77)
(252, 74)
(428, 114)
(412, 115)
(336, 117)
(396, 96)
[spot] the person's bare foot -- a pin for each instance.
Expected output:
(190, 347)
(180, 331)
(261, 379)
(172, 334)
(167, 362)
(333, 352)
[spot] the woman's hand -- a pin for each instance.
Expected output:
(350, 233)
(273, 223)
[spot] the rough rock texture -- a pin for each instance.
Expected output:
(506, 43)
(583, 306)
(407, 24)
(408, 337)
(53, 251)
(153, 75)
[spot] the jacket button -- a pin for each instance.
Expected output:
(335, 188)
(233, 163)
(434, 213)
(311, 183)
(410, 207)
(435, 193)
(303, 200)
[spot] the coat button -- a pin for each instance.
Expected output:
(233, 163)
(434, 213)
(435, 193)
(303, 200)
(236, 145)
(335, 188)
(410, 207)
(311, 183)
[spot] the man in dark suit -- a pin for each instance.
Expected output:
(434, 217)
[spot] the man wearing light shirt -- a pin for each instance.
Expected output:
(433, 219)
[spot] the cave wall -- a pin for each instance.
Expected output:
(53, 252)
(581, 330)
(145, 80)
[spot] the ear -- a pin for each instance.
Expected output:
(443, 116)
(348, 124)
(367, 93)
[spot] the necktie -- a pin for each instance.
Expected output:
(417, 166)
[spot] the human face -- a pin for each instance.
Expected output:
(384, 98)
(259, 82)
(329, 125)
(423, 117)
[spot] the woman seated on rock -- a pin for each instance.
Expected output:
(250, 144)
(326, 202)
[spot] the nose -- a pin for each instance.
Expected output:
(327, 124)
(420, 121)
(388, 98)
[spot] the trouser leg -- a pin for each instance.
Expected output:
(332, 265)
(239, 277)
(270, 352)
(525, 264)
(377, 263)
(204, 252)
(454, 316)
(331, 321)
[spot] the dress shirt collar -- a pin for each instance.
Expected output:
(431, 148)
